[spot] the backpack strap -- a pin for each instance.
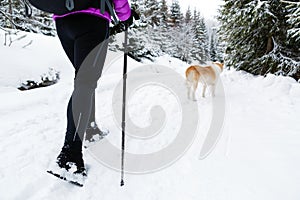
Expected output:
(111, 11)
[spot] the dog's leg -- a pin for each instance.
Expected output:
(188, 86)
(195, 85)
(213, 90)
(189, 92)
(193, 95)
(203, 90)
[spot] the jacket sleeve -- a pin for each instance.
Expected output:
(122, 9)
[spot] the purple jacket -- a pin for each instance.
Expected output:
(121, 8)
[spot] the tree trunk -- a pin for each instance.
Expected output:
(270, 45)
(10, 25)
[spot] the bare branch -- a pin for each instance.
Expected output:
(6, 16)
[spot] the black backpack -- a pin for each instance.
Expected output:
(61, 7)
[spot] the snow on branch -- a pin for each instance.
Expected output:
(290, 2)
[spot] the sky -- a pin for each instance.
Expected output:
(207, 8)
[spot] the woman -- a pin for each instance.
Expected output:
(80, 32)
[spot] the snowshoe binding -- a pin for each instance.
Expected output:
(93, 134)
(69, 167)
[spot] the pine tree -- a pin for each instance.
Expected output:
(204, 40)
(163, 26)
(220, 48)
(188, 16)
(188, 37)
(172, 37)
(12, 15)
(213, 50)
(145, 36)
(152, 11)
(176, 16)
(200, 50)
(294, 20)
(182, 42)
(256, 36)
(164, 14)
(137, 35)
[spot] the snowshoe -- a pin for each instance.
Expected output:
(93, 134)
(72, 175)
(69, 166)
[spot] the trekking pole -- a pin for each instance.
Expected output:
(137, 17)
(124, 106)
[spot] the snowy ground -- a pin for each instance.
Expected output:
(257, 157)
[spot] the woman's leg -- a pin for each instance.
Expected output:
(93, 111)
(88, 32)
(89, 72)
(67, 41)
(93, 132)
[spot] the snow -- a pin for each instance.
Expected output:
(257, 156)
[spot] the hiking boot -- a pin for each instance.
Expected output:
(69, 157)
(79, 163)
(93, 133)
(64, 157)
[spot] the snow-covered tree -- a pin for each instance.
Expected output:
(137, 37)
(216, 47)
(294, 19)
(163, 26)
(176, 15)
(188, 15)
(200, 49)
(256, 36)
(145, 36)
(166, 30)
(164, 14)
(213, 48)
(181, 42)
(12, 15)
(152, 12)
(188, 35)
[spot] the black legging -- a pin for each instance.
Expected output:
(79, 35)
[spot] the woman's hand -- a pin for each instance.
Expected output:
(124, 25)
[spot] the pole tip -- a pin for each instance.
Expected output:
(122, 183)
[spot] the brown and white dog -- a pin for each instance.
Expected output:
(208, 75)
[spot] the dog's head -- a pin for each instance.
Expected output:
(220, 65)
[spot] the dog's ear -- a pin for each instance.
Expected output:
(221, 65)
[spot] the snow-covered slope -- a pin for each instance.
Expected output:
(257, 156)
